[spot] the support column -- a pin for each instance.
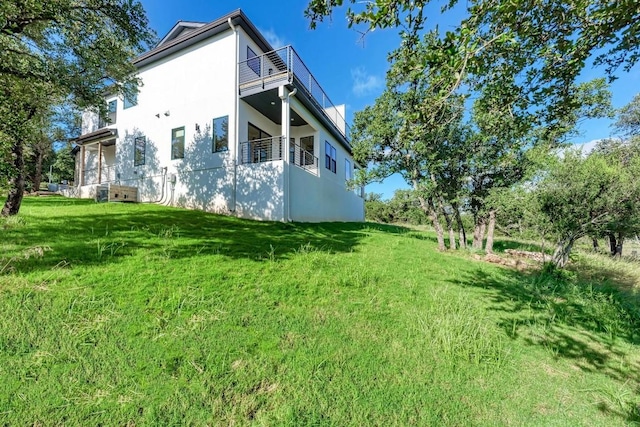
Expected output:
(82, 160)
(283, 93)
(99, 162)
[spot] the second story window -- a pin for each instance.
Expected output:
(130, 101)
(330, 157)
(347, 170)
(112, 111)
(177, 143)
(253, 61)
(112, 114)
(139, 148)
(220, 134)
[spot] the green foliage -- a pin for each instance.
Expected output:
(628, 123)
(148, 315)
(404, 207)
(52, 52)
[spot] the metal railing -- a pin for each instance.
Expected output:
(271, 69)
(107, 174)
(300, 157)
(261, 150)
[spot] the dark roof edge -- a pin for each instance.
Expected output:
(99, 134)
(209, 30)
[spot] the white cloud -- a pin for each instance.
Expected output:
(274, 39)
(586, 147)
(365, 83)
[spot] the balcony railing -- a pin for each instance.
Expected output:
(99, 175)
(283, 66)
(300, 157)
(261, 150)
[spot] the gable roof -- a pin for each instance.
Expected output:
(185, 34)
(180, 29)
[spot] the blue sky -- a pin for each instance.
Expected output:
(350, 68)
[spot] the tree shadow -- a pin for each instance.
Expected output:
(581, 321)
(108, 233)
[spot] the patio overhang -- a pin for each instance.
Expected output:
(105, 135)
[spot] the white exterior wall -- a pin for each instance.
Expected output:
(324, 196)
(187, 89)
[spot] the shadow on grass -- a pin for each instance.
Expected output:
(83, 232)
(576, 320)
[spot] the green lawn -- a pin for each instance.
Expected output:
(114, 314)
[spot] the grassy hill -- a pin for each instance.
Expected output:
(114, 314)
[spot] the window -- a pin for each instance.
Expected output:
(139, 148)
(220, 134)
(330, 157)
(253, 61)
(130, 101)
(260, 151)
(347, 170)
(112, 114)
(177, 143)
(306, 145)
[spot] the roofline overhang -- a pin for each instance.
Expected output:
(97, 136)
(211, 29)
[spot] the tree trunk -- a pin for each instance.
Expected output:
(613, 244)
(478, 233)
(447, 219)
(16, 183)
(492, 227)
(596, 245)
(562, 252)
(463, 234)
(37, 177)
(429, 208)
(618, 251)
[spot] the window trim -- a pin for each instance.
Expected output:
(173, 137)
(136, 141)
(214, 148)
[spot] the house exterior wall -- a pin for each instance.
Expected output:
(189, 89)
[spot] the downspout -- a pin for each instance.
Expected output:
(235, 121)
(287, 153)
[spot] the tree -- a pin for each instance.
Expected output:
(61, 51)
(406, 132)
(589, 195)
(628, 123)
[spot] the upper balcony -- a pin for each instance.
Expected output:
(281, 67)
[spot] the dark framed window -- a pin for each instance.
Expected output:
(306, 150)
(220, 134)
(139, 149)
(260, 151)
(330, 157)
(177, 143)
(112, 111)
(253, 61)
(130, 101)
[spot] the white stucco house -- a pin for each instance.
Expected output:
(224, 123)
